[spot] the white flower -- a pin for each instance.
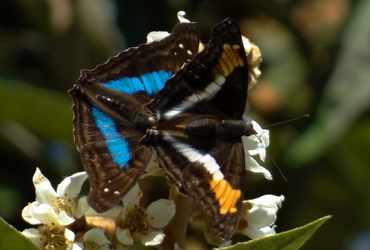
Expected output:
(159, 35)
(52, 237)
(144, 224)
(181, 16)
(59, 207)
(34, 236)
(255, 145)
(254, 59)
(58, 237)
(156, 36)
(260, 215)
(95, 239)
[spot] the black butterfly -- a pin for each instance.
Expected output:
(185, 107)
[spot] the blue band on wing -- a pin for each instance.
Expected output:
(150, 82)
(117, 146)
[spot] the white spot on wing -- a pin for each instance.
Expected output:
(209, 92)
(116, 192)
(194, 155)
(106, 190)
(217, 176)
(213, 88)
(219, 79)
(181, 46)
(171, 113)
(210, 163)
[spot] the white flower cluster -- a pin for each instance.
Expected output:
(58, 212)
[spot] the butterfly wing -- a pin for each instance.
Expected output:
(219, 195)
(214, 179)
(214, 82)
(105, 131)
(214, 86)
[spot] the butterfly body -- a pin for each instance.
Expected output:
(183, 106)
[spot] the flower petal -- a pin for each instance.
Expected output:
(131, 199)
(255, 233)
(69, 235)
(27, 213)
(45, 193)
(75, 246)
(263, 136)
(71, 186)
(124, 236)
(82, 207)
(256, 145)
(160, 212)
(64, 218)
(152, 238)
(47, 215)
(181, 17)
(34, 236)
(253, 166)
(264, 209)
(44, 213)
(97, 236)
(269, 201)
(156, 36)
(262, 215)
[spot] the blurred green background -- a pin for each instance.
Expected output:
(316, 60)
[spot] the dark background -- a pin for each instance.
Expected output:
(316, 60)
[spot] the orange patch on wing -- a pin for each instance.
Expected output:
(226, 196)
(229, 60)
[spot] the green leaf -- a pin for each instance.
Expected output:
(10, 238)
(45, 112)
(289, 240)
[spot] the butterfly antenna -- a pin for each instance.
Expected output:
(272, 159)
(277, 167)
(279, 123)
(286, 121)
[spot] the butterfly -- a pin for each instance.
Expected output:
(182, 105)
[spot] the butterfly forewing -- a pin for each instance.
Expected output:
(149, 65)
(215, 81)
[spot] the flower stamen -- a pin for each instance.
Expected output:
(54, 237)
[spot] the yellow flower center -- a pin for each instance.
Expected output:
(54, 237)
(136, 221)
(68, 206)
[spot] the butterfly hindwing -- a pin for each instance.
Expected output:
(219, 193)
(109, 151)
(209, 170)
(105, 130)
